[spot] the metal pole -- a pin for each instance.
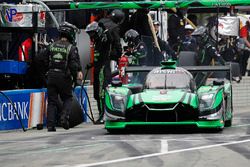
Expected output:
(35, 32)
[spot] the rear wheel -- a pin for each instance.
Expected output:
(223, 116)
(228, 123)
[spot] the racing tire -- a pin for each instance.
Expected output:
(220, 129)
(187, 58)
(228, 123)
(115, 131)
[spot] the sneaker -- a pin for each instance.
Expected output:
(51, 129)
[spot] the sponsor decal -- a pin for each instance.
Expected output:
(168, 71)
(11, 15)
(7, 111)
(160, 98)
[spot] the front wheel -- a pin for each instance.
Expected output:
(228, 123)
(115, 131)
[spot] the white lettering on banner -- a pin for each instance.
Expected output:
(7, 111)
(10, 112)
(2, 115)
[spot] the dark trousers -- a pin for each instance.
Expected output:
(102, 77)
(243, 61)
(59, 84)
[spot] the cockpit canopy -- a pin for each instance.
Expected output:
(177, 78)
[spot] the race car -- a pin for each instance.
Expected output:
(199, 96)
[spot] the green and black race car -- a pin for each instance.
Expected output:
(198, 96)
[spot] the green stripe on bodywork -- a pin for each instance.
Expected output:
(107, 101)
(199, 124)
(218, 99)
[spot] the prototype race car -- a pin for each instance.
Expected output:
(198, 96)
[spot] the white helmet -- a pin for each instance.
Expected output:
(189, 27)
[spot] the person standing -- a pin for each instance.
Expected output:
(176, 29)
(166, 50)
(105, 35)
(101, 64)
(63, 68)
(111, 25)
(244, 34)
(189, 43)
(141, 21)
(108, 50)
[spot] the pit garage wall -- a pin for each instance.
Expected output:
(31, 107)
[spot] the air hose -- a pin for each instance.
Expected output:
(91, 117)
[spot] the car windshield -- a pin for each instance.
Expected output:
(169, 79)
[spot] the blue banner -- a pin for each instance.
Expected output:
(30, 104)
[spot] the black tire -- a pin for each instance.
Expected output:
(228, 123)
(187, 58)
(223, 115)
(115, 131)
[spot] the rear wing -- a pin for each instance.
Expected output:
(189, 68)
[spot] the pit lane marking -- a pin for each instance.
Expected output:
(243, 125)
(158, 154)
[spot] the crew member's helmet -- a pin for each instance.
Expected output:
(132, 37)
(117, 16)
(68, 30)
(201, 34)
(94, 30)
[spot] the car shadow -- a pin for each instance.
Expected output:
(163, 130)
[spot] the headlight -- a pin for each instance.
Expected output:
(206, 101)
(214, 116)
(118, 102)
(207, 96)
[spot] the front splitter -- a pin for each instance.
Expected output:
(199, 124)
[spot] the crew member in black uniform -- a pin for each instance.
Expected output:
(63, 68)
(111, 25)
(106, 37)
(101, 64)
(136, 49)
